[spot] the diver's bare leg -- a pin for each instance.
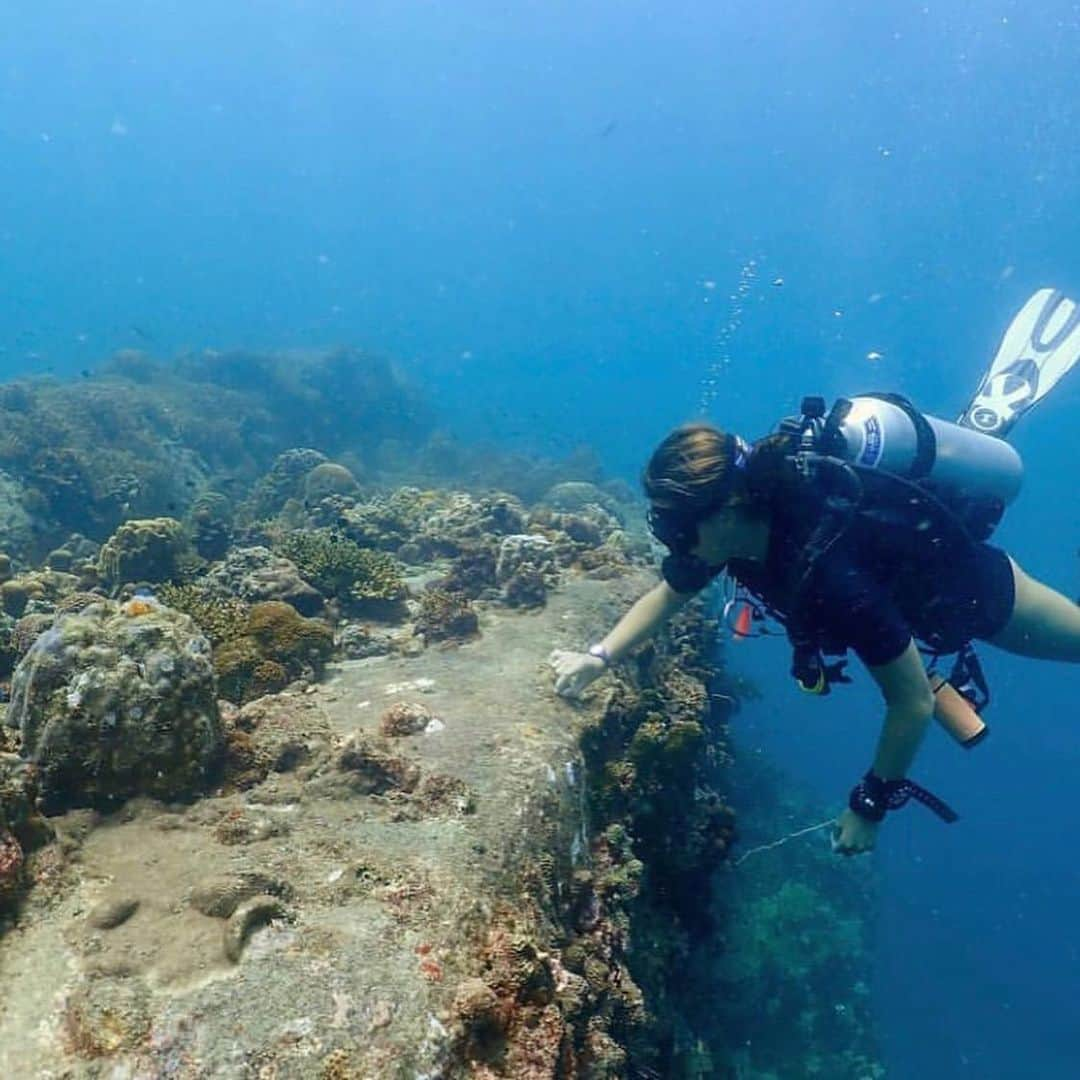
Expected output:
(1044, 624)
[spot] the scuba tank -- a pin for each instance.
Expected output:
(976, 474)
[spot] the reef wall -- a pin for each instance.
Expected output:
(285, 790)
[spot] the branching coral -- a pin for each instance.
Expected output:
(339, 567)
(220, 618)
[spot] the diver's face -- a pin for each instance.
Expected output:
(712, 538)
(719, 536)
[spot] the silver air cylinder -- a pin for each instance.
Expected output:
(879, 434)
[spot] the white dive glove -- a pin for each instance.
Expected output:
(574, 671)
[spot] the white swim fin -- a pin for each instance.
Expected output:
(1040, 346)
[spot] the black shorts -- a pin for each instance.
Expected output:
(974, 601)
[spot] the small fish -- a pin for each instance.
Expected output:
(874, 356)
(777, 282)
(607, 129)
(139, 332)
(85, 373)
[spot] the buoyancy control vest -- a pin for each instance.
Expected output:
(876, 455)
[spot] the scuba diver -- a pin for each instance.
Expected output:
(863, 527)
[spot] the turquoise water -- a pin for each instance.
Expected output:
(542, 212)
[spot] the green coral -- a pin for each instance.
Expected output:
(340, 567)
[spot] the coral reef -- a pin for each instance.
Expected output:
(140, 550)
(255, 573)
(389, 520)
(525, 569)
(276, 645)
(118, 700)
(210, 523)
(560, 888)
(338, 567)
(326, 480)
(284, 481)
(445, 617)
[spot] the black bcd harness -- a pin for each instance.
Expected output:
(840, 492)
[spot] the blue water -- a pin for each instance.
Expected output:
(541, 210)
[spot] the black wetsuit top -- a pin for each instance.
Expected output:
(873, 589)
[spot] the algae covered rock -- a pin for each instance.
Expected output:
(146, 549)
(118, 700)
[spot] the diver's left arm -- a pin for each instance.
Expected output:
(909, 705)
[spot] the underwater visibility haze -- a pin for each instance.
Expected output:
(373, 290)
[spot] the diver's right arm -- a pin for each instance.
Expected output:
(574, 671)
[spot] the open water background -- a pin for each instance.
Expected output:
(542, 209)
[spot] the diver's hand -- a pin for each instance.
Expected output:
(854, 835)
(574, 671)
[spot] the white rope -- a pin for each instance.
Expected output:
(784, 839)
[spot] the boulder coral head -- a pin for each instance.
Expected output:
(146, 549)
(328, 479)
(115, 701)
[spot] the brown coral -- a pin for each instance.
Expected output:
(11, 866)
(405, 718)
(446, 616)
(277, 644)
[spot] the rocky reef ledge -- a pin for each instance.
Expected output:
(421, 866)
(285, 790)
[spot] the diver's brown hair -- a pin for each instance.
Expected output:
(694, 469)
